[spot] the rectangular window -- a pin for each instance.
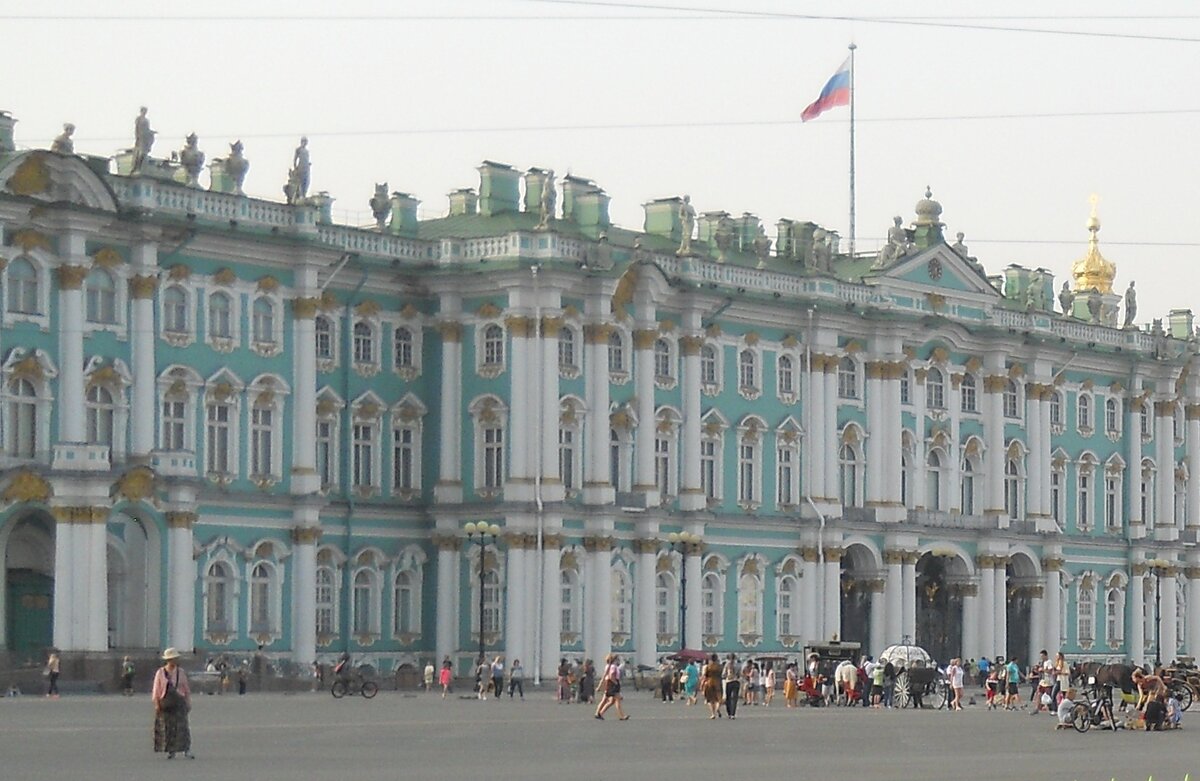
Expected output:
(364, 453)
(785, 495)
(403, 459)
(967, 395)
(1056, 496)
(493, 457)
(746, 456)
(325, 459)
(174, 419)
(261, 462)
(218, 440)
(1085, 501)
(1112, 502)
(662, 461)
(566, 457)
(708, 468)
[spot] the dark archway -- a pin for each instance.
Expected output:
(29, 587)
(857, 579)
(939, 605)
(1022, 585)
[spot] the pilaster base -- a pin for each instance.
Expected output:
(448, 493)
(1137, 531)
(1166, 533)
(599, 494)
(78, 457)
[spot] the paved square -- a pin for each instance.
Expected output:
(312, 736)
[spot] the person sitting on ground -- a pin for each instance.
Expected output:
(1065, 706)
(1174, 713)
(1155, 713)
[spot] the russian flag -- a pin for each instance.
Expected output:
(835, 93)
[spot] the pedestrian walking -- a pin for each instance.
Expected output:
(733, 684)
(955, 673)
(610, 684)
(1013, 670)
(666, 681)
(691, 681)
(53, 668)
(564, 680)
(1062, 678)
(587, 682)
(127, 672)
(711, 686)
(172, 698)
(769, 685)
(428, 675)
(791, 686)
(498, 676)
(446, 676)
(516, 679)
(483, 674)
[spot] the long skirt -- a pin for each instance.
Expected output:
(171, 733)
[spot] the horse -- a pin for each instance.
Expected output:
(1117, 675)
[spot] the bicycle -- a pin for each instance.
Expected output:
(1091, 713)
(357, 685)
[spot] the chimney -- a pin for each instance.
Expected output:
(404, 215)
(591, 210)
(463, 201)
(573, 187)
(784, 244)
(662, 218)
(535, 182)
(1180, 321)
(746, 230)
(499, 189)
(708, 223)
(7, 144)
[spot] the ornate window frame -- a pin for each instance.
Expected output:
(665, 352)
(788, 584)
(170, 333)
(366, 415)
(410, 563)
(667, 424)
(223, 342)
(114, 296)
(273, 345)
(223, 389)
(570, 351)
(751, 599)
(1085, 413)
(489, 413)
(750, 445)
(619, 374)
(1113, 418)
(750, 371)
(365, 365)
(1114, 499)
(410, 369)
(712, 455)
(789, 436)
(1085, 491)
(711, 385)
(491, 343)
(329, 413)
(39, 261)
(366, 597)
(968, 389)
(787, 382)
(266, 394)
(407, 415)
(326, 362)
(572, 412)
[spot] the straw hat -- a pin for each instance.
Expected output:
(170, 653)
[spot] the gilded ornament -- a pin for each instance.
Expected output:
(32, 176)
(666, 326)
(27, 486)
(222, 391)
(107, 257)
(304, 308)
(142, 287)
(551, 326)
(790, 341)
(225, 276)
(29, 368)
(623, 294)
(367, 410)
(597, 333)
(179, 272)
(450, 331)
(410, 312)
(306, 535)
(488, 310)
(752, 338)
(329, 301)
(71, 277)
(268, 284)
(368, 308)
(690, 345)
(104, 377)
(644, 338)
(1093, 271)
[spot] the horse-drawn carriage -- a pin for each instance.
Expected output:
(919, 682)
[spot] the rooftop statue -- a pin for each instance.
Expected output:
(762, 246)
(143, 140)
(192, 160)
(1130, 305)
(381, 205)
(820, 258)
(296, 189)
(687, 222)
(1094, 303)
(546, 202)
(897, 245)
(236, 165)
(63, 143)
(723, 237)
(1066, 298)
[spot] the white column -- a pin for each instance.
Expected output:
(691, 496)
(830, 430)
(876, 436)
(1193, 609)
(64, 580)
(970, 626)
(91, 616)
(645, 630)
(181, 581)
(597, 485)
(445, 639)
(894, 594)
(954, 468)
(532, 598)
(993, 434)
(142, 338)
(810, 615)
(987, 607)
(1135, 600)
(643, 475)
(1168, 639)
(304, 594)
(815, 456)
(920, 465)
(691, 632)
(878, 628)
(552, 485)
(1037, 628)
(833, 592)
(894, 423)
(1192, 412)
(70, 403)
(523, 385)
(551, 604)
(449, 485)
(305, 479)
(1133, 467)
(1000, 607)
(1052, 598)
(909, 594)
(514, 609)
(1033, 440)
(1047, 444)
(1164, 486)
(599, 617)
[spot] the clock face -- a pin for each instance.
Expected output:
(935, 268)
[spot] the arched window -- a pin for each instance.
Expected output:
(404, 348)
(1012, 400)
(101, 297)
(789, 601)
(1114, 617)
(616, 352)
(24, 296)
(220, 316)
(405, 611)
(748, 469)
(364, 343)
(847, 378)
(323, 328)
(1084, 496)
(1056, 415)
(711, 621)
(968, 393)
(363, 607)
(493, 345)
(260, 598)
(1147, 495)
(905, 388)
(219, 441)
(1086, 624)
(747, 370)
(325, 603)
(849, 466)
(566, 349)
(666, 614)
(935, 389)
(708, 364)
(1147, 429)
(968, 487)
(662, 360)
(1084, 403)
(175, 311)
(219, 608)
(568, 456)
(22, 434)
(1112, 416)
(750, 613)
(622, 602)
(263, 321)
(572, 622)
(786, 376)
(100, 410)
(1012, 489)
(933, 481)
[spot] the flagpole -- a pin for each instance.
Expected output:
(852, 232)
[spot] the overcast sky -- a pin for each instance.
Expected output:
(386, 95)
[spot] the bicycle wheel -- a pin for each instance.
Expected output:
(369, 689)
(338, 690)
(1081, 718)
(941, 695)
(1183, 693)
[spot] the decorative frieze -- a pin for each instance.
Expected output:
(646, 545)
(597, 544)
(81, 514)
(519, 326)
(1052, 563)
(551, 326)
(142, 286)
(690, 345)
(597, 333)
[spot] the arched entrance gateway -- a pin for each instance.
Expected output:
(860, 581)
(134, 593)
(942, 580)
(1023, 587)
(27, 607)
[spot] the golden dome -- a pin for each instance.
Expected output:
(1092, 271)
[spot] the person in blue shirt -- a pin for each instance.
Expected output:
(1014, 675)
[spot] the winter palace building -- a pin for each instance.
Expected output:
(230, 423)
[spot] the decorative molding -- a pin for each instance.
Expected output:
(71, 277)
(83, 514)
(27, 486)
(450, 331)
(519, 326)
(306, 535)
(179, 273)
(107, 257)
(551, 326)
(305, 308)
(135, 485)
(690, 345)
(181, 519)
(268, 284)
(225, 277)
(644, 338)
(368, 308)
(142, 286)
(32, 176)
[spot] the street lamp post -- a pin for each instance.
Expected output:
(478, 533)
(1159, 568)
(683, 542)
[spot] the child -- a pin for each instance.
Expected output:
(1065, 706)
(1174, 713)
(992, 685)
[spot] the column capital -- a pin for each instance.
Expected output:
(1139, 569)
(646, 545)
(450, 330)
(690, 344)
(305, 308)
(552, 325)
(597, 544)
(552, 541)
(911, 556)
(71, 277)
(893, 556)
(1052, 563)
(181, 519)
(142, 286)
(644, 338)
(810, 553)
(876, 369)
(306, 535)
(597, 333)
(833, 553)
(874, 585)
(920, 374)
(83, 514)
(965, 589)
(519, 326)
(995, 383)
(1164, 409)
(1191, 572)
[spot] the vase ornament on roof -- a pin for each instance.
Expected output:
(1093, 271)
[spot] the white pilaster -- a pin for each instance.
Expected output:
(552, 484)
(1133, 465)
(691, 496)
(894, 594)
(449, 489)
(64, 584)
(643, 476)
(829, 430)
(305, 479)
(833, 592)
(181, 581)
(515, 597)
(970, 626)
(599, 617)
(878, 629)
(645, 630)
(1000, 608)
(142, 339)
(70, 403)
(447, 588)
(551, 605)
(1037, 629)
(91, 617)
(1193, 607)
(987, 607)
(815, 456)
(1193, 484)
(1164, 487)
(1052, 599)
(1135, 601)
(1046, 447)
(521, 432)
(304, 590)
(909, 593)
(597, 480)
(893, 445)
(993, 434)
(920, 460)
(810, 617)
(1167, 640)
(691, 632)
(1034, 435)
(876, 436)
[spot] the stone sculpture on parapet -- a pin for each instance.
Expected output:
(1130, 306)
(63, 143)
(1066, 298)
(236, 165)
(143, 140)
(546, 202)
(687, 224)
(296, 189)
(820, 258)
(762, 247)
(192, 160)
(897, 245)
(381, 206)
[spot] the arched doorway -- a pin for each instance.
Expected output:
(1022, 586)
(28, 604)
(859, 575)
(940, 581)
(134, 593)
